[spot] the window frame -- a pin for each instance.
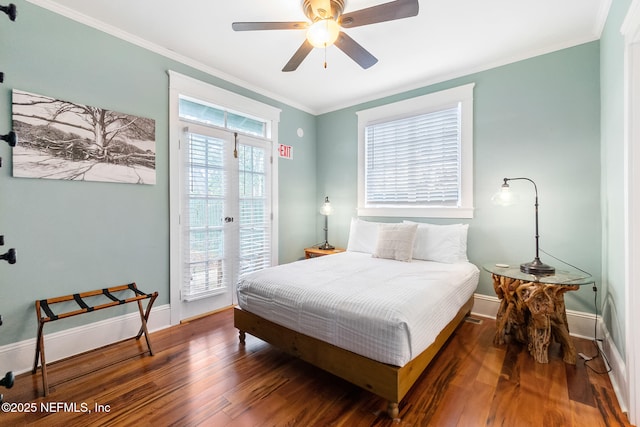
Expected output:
(436, 101)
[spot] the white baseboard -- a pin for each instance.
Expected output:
(19, 357)
(582, 325)
(618, 373)
(485, 306)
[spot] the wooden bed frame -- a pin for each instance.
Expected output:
(387, 381)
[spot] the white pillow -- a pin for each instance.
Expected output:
(395, 241)
(441, 243)
(363, 236)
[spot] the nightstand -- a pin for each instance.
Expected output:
(532, 308)
(315, 252)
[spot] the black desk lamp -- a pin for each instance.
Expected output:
(504, 197)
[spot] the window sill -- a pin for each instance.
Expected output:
(440, 212)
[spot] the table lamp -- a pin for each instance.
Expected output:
(326, 210)
(504, 197)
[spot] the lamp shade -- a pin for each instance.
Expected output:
(504, 196)
(323, 33)
(326, 208)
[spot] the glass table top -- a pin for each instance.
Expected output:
(565, 275)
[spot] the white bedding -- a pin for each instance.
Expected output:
(386, 310)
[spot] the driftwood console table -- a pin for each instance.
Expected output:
(532, 309)
(108, 297)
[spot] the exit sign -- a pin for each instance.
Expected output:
(285, 151)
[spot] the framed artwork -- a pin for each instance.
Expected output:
(70, 141)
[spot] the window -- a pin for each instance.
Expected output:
(415, 157)
(201, 112)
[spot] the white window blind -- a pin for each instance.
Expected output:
(414, 161)
(415, 156)
(255, 217)
(213, 256)
(203, 213)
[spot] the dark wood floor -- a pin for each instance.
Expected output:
(200, 375)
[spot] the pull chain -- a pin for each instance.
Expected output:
(325, 55)
(235, 145)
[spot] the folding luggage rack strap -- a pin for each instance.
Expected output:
(45, 305)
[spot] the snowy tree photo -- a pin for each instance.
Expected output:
(65, 140)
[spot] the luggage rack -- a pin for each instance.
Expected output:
(49, 316)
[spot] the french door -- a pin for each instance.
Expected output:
(225, 215)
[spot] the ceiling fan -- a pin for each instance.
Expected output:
(324, 29)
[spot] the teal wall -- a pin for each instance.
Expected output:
(537, 118)
(613, 161)
(75, 236)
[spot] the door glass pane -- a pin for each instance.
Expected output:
(204, 228)
(199, 112)
(246, 124)
(254, 221)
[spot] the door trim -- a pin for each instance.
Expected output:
(180, 84)
(631, 32)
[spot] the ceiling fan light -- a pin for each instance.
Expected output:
(323, 33)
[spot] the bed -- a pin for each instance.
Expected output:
(375, 315)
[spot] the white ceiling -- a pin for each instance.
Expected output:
(448, 38)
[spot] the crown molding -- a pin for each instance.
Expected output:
(145, 44)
